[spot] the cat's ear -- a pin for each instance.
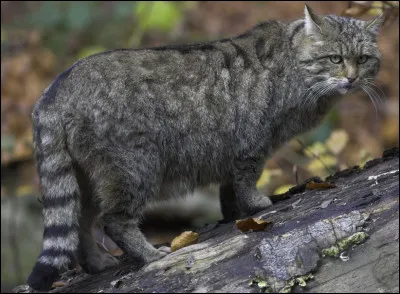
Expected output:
(375, 24)
(313, 22)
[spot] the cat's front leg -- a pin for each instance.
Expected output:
(247, 172)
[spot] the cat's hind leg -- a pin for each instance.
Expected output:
(91, 257)
(124, 231)
(124, 186)
(229, 203)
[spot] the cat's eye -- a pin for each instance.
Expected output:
(362, 59)
(336, 59)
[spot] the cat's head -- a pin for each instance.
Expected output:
(338, 54)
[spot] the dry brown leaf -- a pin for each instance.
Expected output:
(254, 224)
(183, 240)
(58, 284)
(319, 186)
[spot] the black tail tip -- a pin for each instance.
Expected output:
(42, 277)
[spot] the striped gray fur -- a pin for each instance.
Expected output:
(121, 129)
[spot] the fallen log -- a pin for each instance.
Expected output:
(341, 237)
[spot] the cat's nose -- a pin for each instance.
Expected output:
(351, 79)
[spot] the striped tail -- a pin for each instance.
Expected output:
(61, 195)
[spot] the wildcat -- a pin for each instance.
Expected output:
(124, 128)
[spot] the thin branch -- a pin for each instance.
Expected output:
(314, 155)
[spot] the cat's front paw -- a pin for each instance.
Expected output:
(156, 254)
(254, 203)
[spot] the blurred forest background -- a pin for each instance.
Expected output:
(40, 39)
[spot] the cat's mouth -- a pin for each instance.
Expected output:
(343, 85)
(343, 89)
(346, 87)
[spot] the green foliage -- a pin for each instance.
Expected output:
(123, 9)
(69, 15)
(96, 25)
(7, 142)
(78, 15)
(92, 23)
(49, 14)
(90, 51)
(159, 15)
(321, 133)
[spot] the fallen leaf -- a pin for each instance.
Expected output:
(183, 240)
(319, 186)
(254, 224)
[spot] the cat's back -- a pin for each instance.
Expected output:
(164, 69)
(181, 87)
(132, 76)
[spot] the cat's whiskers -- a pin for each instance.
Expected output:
(379, 95)
(376, 96)
(321, 88)
(371, 96)
(372, 83)
(326, 91)
(307, 93)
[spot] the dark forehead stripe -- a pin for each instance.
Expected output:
(347, 26)
(360, 47)
(349, 41)
(334, 21)
(351, 36)
(346, 48)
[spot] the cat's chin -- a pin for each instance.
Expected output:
(346, 90)
(343, 91)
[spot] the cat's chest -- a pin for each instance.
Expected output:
(293, 121)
